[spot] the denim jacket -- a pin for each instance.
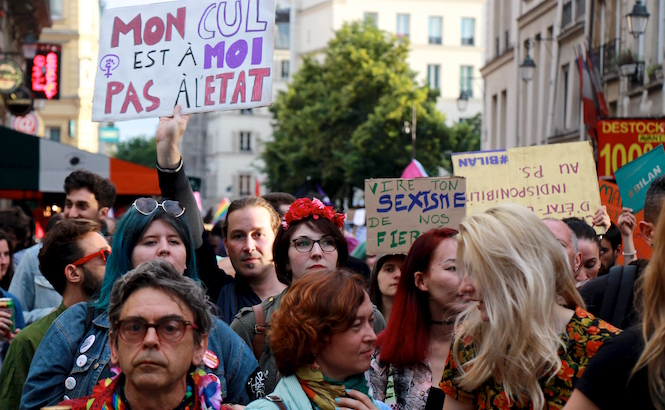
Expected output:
(65, 366)
(31, 287)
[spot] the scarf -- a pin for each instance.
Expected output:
(203, 393)
(322, 390)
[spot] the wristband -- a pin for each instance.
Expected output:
(629, 254)
(171, 170)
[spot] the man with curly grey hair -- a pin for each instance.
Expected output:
(160, 321)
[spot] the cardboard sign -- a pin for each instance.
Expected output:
(555, 181)
(399, 210)
(623, 140)
(610, 197)
(203, 55)
(635, 177)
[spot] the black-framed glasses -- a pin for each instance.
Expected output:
(146, 206)
(103, 253)
(305, 244)
(168, 330)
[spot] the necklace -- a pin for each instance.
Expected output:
(442, 322)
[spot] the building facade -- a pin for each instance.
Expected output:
(548, 108)
(76, 29)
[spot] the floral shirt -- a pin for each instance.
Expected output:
(585, 334)
(203, 393)
(401, 388)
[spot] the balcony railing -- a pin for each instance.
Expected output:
(606, 56)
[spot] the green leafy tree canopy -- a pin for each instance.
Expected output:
(341, 119)
(139, 150)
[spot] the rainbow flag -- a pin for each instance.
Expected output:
(221, 209)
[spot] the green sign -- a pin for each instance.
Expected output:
(109, 134)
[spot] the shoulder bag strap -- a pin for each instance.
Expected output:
(277, 401)
(624, 296)
(611, 293)
(259, 331)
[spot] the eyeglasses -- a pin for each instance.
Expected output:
(305, 244)
(103, 253)
(168, 330)
(146, 206)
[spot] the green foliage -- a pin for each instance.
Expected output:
(139, 150)
(341, 119)
(465, 137)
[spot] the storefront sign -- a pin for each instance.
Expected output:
(621, 141)
(11, 76)
(109, 134)
(44, 69)
(27, 124)
(19, 102)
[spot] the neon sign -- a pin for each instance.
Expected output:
(44, 71)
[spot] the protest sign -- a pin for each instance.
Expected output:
(203, 55)
(622, 140)
(610, 197)
(399, 210)
(555, 181)
(635, 177)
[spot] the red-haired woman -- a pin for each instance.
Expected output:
(322, 339)
(426, 304)
(309, 240)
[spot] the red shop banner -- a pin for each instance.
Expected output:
(43, 72)
(622, 140)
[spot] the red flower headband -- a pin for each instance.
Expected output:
(304, 207)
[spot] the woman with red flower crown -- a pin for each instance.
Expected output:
(309, 240)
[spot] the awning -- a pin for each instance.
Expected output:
(29, 163)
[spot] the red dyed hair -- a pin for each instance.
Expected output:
(313, 309)
(410, 314)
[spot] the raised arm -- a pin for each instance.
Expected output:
(173, 181)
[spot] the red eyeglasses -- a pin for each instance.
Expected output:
(103, 253)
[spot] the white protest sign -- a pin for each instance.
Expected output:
(204, 55)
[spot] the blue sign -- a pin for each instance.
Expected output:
(109, 134)
(635, 177)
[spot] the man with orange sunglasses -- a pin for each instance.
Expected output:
(73, 260)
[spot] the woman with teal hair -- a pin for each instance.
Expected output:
(75, 353)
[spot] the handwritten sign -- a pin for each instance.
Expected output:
(610, 197)
(555, 181)
(204, 55)
(399, 210)
(622, 140)
(635, 177)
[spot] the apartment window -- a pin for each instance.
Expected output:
(244, 184)
(402, 25)
(567, 17)
(56, 9)
(53, 133)
(565, 96)
(433, 75)
(371, 17)
(245, 141)
(435, 30)
(286, 67)
(283, 27)
(468, 28)
(507, 39)
(465, 80)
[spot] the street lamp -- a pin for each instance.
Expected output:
(638, 19)
(463, 101)
(528, 69)
(29, 46)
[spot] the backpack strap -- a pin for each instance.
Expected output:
(611, 293)
(259, 331)
(276, 400)
(624, 296)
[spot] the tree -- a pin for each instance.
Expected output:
(465, 136)
(341, 119)
(139, 150)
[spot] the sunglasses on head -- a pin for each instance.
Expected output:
(146, 206)
(103, 253)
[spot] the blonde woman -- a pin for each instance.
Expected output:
(632, 370)
(516, 347)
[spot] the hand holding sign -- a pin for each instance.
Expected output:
(169, 131)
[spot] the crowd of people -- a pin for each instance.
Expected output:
(506, 311)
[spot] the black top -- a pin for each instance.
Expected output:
(607, 382)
